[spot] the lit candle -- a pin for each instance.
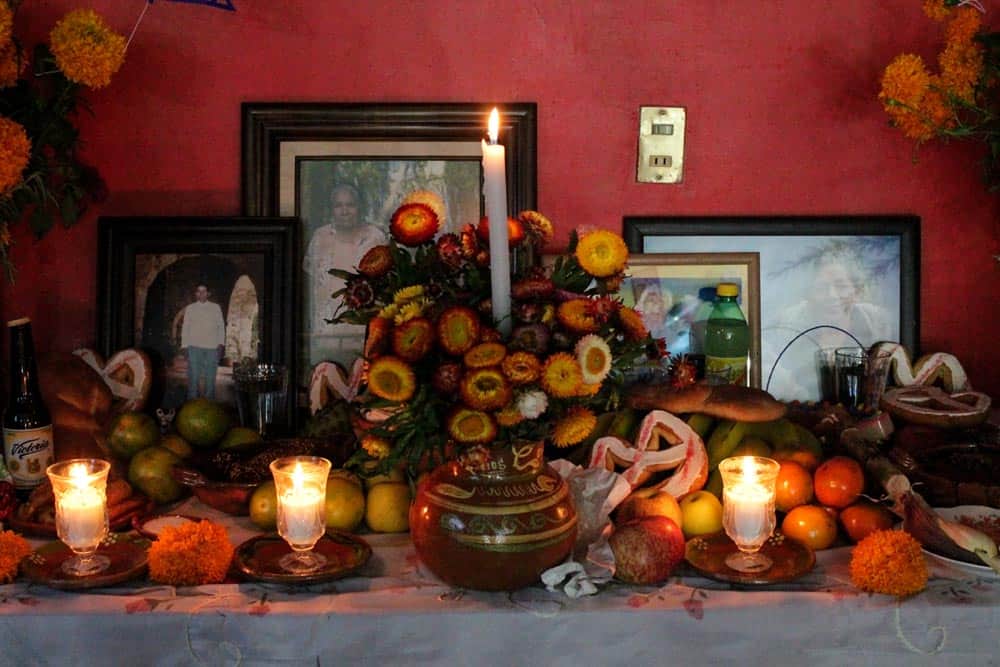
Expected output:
(748, 499)
(81, 511)
(495, 189)
(302, 510)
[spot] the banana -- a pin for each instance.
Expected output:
(780, 433)
(724, 439)
(808, 441)
(624, 424)
(972, 540)
(701, 424)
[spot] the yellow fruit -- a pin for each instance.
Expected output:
(702, 513)
(346, 474)
(150, 471)
(345, 504)
(177, 445)
(264, 506)
(387, 507)
(240, 437)
(131, 432)
(393, 475)
(202, 422)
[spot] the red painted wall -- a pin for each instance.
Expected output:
(780, 97)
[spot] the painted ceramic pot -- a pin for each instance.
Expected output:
(494, 519)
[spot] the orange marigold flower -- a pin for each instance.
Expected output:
(562, 375)
(632, 323)
(86, 49)
(11, 63)
(905, 83)
(521, 367)
(392, 378)
(13, 549)
(936, 9)
(191, 554)
(961, 66)
(15, 151)
(889, 562)
(573, 427)
(377, 447)
(413, 224)
(964, 26)
(602, 253)
(575, 315)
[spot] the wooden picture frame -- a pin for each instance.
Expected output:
(150, 267)
(303, 159)
(673, 291)
(823, 280)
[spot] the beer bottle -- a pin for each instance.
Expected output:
(27, 427)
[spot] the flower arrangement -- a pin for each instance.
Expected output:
(41, 175)
(889, 562)
(440, 373)
(13, 549)
(191, 554)
(960, 100)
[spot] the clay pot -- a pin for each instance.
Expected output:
(494, 519)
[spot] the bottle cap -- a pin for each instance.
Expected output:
(727, 289)
(18, 322)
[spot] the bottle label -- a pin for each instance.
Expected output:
(726, 370)
(28, 452)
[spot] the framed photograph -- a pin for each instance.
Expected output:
(344, 168)
(674, 293)
(199, 295)
(825, 282)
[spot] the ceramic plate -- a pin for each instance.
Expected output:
(257, 558)
(150, 527)
(955, 514)
(707, 554)
(128, 561)
(40, 529)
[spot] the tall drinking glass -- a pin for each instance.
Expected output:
(80, 490)
(261, 397)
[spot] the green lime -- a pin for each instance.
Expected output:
(202, 422)
(264, 506)
(176, 444)
(150, 471)
(132, 432)
(240, 437)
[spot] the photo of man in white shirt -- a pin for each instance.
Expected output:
(203, 342)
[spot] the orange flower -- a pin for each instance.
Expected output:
(392, 378)
(936, 9)
(562, 375)
(521, 367)
(602, 253)
(632, 323)
(11, 63)
(15, 151)
(86, 49)
(485, 389)
(13, 549)
(191, 554)
(471, 426)
(413, 224)
(430, 199)
(575, 315)
(6, 22)
(889, 562)
(537, 225)
(905, 83)
(377, 448)
(573, 427)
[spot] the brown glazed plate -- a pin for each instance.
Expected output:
(257, 558)
(126, 552)
(46, 529)
(707, 554)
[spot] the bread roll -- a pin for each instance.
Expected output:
(725, 401)
(80, 404)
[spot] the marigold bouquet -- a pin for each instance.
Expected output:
(440, 374)
(960, 100)
(40, 171)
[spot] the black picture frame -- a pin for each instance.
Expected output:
(279, 137)
(648, 234)
(262, 250)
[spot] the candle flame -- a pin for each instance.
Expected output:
(78, 475)
(748, 469)
(493, 128)
(298, 477)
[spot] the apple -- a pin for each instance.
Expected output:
(647, 549)
(649, 502)
(702, 513)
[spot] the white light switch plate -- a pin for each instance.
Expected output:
(661, 144)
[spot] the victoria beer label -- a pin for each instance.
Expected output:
(28, 452)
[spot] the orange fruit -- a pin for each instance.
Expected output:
(811, 525)
(863, 518)
(794, 486)
(132, 432)
(264, 506)
(202, 422)
(838, 481)
(803, 457)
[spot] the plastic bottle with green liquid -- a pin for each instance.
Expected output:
(727, 339)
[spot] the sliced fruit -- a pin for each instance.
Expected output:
(469, 426)
(392, 378)
(485, 389)
(458, 329)
(413, 339)
(485, 355)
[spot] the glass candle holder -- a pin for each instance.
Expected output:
(300, 482)
(748, 489)
(80, 490)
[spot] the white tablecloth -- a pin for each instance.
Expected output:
(395, 612)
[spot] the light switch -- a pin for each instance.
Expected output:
(661, 144)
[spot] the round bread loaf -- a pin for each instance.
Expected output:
(80, 403)
(726, 401)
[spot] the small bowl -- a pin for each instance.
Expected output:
(229, 497)
(151, 526)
